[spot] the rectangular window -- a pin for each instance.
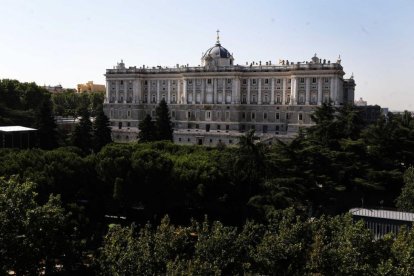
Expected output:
(129, 113)
(326, 80)
(253, 81)
(218, 127)
(128, 124)
(300, 116)
(277, 115)
(313, 80)
(190, 81)
(188, 114)
(244, 81)
(209, 81)
(208, 115)
(302, 80)
(227, 115)
(243, 115)
(228, 81)
(266, 81)
(265, 115)
(253, 115)
(278, 81)
(227, 127)
(197, 126)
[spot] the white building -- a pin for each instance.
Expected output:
(219, 100)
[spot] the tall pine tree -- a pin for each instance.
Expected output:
(46, 126)
(147, 129)
(82, 134)
(101, 130)
(163, 122)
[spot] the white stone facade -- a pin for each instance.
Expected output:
(218, 101)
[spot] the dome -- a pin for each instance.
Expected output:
(217, 51)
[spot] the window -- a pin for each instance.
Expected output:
(302, 80)
(326, 80)
(264, 129)
(244, 99)
(227, 127)
(188, 140)
(277, 128)
(278, 99)
(153, 98)
(189, 125)
(277, 115)
(188, 114)
(190, 81)
(253, 81)
(173, 114)
(300, 116)
(265, 115)
(163, 82)
(244, 81)
(289, 80)
(230, 141)
(278, 81)
(243, 115)
(129, 113)
(179, 139)
(173, 98)
(122, 82)
(253, 115)
(218, 127)
(209, 81)
(128, 124)
(208, 115)
(266, 81)
(228, 81)
(120, 125)
(145, 82)
(313, 80)
(197, 126)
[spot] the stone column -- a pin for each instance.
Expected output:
(320, 100)
(332, 94)
(178, 95)
(107, 93)
(223, 100)
(234, 91)
(259, 92)
(185, 91)
(215, 91)
(203, 88)
(117, 91)
(149, 91)
(284, 91)
(194, 91)
(168, 91)
(307, 93)
(294, 91)
(272, 92)
(248, 91)
(158, 92)
(136, 85)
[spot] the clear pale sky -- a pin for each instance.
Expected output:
(70, 42)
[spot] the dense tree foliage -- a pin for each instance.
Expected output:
(19, 102)
(285, 244)
(46, 126)
(29, 232)
(337, 164)
(71, 103)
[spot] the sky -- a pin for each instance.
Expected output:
(74, 41)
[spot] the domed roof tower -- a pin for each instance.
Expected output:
(217, 56)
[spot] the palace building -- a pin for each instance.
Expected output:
(220, 100)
